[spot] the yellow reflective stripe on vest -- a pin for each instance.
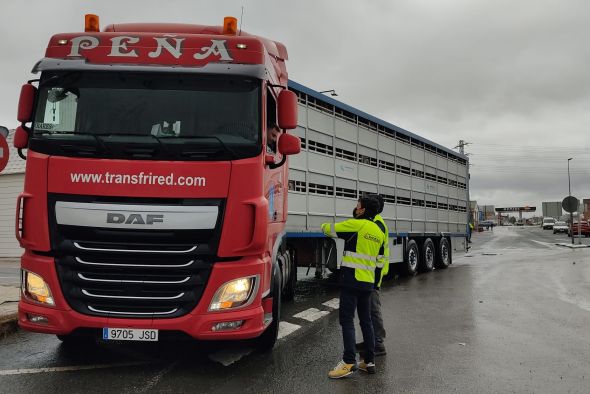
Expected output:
(360, 256)
(358, 266)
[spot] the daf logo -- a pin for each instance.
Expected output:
(134, 218)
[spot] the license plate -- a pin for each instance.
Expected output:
(129, 334)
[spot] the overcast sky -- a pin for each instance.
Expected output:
(512, 78)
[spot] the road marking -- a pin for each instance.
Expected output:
(24, 371)
(311, 314)
(547, 244)
(334, 303)
(286, 328)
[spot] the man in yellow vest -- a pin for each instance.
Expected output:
(363, 243)
(380, 272)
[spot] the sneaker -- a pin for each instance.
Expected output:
(367, 367)
(341, 370)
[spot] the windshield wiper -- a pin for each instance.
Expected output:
(79, 148)
(221, 143)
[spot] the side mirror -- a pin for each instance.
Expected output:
(25, 103)
(3, 132)
(21, 138)
(287, 106)
(289, 144)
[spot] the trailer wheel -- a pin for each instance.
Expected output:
(443, 257)
(267, 340)
(428, 255)
(412, 258)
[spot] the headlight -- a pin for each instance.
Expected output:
(35, 288)
(234, 294)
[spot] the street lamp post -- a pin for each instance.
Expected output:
(569, 188)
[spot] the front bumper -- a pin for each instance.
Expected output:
(62, 320)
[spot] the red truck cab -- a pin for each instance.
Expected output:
(151, 204)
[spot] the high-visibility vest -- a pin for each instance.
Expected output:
(383, 260)
(363, 241)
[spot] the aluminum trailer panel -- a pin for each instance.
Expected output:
(347, 152)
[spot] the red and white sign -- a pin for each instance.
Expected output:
(4, 153)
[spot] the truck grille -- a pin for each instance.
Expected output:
(133, 273)
(140, 286)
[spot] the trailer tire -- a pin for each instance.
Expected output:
(412, 259)
(444, 256)
(267, 340)
(428, 256)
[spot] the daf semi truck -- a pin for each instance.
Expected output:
(153, 205)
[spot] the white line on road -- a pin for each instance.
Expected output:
(547, 244)
(286, 328)
(311, 314)
(65, 369)
(334, 303)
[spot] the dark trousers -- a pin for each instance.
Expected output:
(351, 299)
(377, 318)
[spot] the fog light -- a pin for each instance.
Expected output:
(35, 288)
(227, 325)
(37, 319)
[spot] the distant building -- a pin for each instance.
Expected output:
(488, 211)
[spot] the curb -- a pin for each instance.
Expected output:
(8, 324)
(574, 246)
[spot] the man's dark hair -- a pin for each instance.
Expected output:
(371, 207)
(379, 200)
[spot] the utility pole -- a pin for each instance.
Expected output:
(569, 187)
(461, 145)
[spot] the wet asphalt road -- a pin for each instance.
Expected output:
(513, 315)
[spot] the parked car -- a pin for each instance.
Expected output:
(548, 223)
(560, 227)
(582, 228)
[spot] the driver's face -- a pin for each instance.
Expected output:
(273, 134)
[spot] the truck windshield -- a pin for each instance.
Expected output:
(161, 115)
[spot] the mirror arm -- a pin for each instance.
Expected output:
(272, 166)
(21, 154)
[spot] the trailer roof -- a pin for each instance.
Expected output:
(357, 112)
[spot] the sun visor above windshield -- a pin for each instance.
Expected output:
(248, 70)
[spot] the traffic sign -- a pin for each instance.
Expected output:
(570, 204)
(4, 153)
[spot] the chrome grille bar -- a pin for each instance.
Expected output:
(77, 245)
(89, 294)
(79, 260)
(83, 277)
(132, 313)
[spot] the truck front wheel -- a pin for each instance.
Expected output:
(267, 340)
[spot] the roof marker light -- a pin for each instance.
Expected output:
(62, 42)
(241, 46)
(230, 25)
(91, 23)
